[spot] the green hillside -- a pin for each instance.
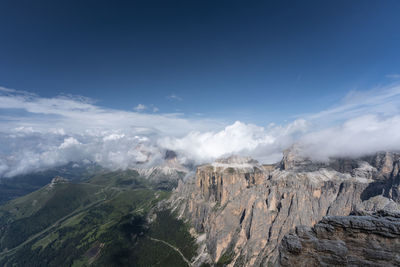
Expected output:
(20, 185)
(103, 221)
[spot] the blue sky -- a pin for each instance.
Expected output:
(118, 83)
(258, 62)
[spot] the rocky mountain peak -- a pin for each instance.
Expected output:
(170, 154)
(379, 165)
(246, 209)
(58, 180)
(294, 160)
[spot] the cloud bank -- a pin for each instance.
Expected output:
(38, 133)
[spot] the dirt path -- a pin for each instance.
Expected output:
(174, 248)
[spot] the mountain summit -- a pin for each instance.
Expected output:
(245, 212)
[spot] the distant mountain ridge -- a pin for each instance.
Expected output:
(231, 212)
(166, 174)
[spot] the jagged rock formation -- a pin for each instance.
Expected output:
(367, 240)
(379, 203)
(57, 180)
(167, 174)
(245, 209)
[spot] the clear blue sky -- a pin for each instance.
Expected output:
(256, 61)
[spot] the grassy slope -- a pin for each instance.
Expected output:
(24, 184)
(101, 222)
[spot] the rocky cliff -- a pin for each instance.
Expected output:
(245, 209)
(366, 240)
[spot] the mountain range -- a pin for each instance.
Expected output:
(232, 212)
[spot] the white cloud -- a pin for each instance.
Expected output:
(174, 97)
(113, 137)
(382, 100)
(81, 117)
(55, 131)
(140, 107)
(205, 146)
(69, 142)
(356, 137)
(238, 138)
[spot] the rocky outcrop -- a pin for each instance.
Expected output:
(57, 180)
(382, 167)
(166, 175)
(367, 240)
(379, 203)
(386, 176)
(245, 209)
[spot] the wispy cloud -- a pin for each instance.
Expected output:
(140, 107)
(381, 100)
(154, 108)
(356, 137)
(79, 115)
(174, 97)
(393, 76)
(363, 122)
(38, 132)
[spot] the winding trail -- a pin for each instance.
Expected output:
(173, 247)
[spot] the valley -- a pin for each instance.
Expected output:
(100, 221)
(232, 212)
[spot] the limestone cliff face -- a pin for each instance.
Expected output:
(245, 209)
(386, 176)
(223, 181)
(368, 240)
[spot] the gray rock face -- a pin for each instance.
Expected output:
(167, 174)
(382, 167)
(387, 176)
(369, 240)
(245, 209)
(379, 203)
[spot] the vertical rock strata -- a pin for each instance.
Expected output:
(245, 209)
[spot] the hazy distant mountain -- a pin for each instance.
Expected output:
(20, 185)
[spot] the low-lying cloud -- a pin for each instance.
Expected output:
(38, 133)
(355, 137)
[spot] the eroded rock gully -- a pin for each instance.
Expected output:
(245, 209)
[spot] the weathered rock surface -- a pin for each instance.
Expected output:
(167, 174)
(245, 209)
(57, 180)
(379, 203)
(369, 240)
